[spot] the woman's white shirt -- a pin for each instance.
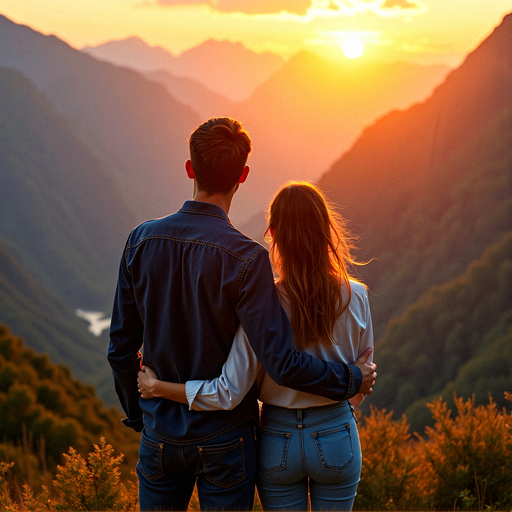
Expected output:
(353, 334)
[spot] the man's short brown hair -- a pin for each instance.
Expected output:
(219, 149)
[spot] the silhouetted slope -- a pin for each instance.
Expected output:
(62, 215)
(456, 337)
(429, 188)
(63, 227)
(135, 120)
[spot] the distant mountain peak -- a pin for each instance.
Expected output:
(227, 68)
(127, 43)
(220, 46)
(130, 49)
(129, 39)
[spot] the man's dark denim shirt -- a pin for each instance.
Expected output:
(185, 282)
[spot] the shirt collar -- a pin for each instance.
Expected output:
(202, 208)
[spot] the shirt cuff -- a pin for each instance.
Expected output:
(137, 424)
(355, 381)
(192, 387)
(209, 395)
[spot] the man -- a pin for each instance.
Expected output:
(185, 283)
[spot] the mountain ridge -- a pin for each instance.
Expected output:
(63, 227)
(134, 120)
(231, 69)
(311, 110)
(419, 153)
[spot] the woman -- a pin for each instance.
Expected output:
(307, 444)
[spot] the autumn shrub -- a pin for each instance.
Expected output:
(467, 458)
(463, 462)
(389, 464)
(6, 502)
(44, 410)
(86, 484)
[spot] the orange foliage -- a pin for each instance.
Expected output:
(469, 456)
(463, 462)
(389, 453)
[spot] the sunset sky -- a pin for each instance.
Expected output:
(421, 31)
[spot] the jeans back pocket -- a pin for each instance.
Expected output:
(150, 458)
(224, 464)
(334, 447)
(273, 449)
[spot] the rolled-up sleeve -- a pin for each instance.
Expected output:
(367, 336)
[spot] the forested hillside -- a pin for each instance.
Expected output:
(62, 216)
(456, 337)
(432, 237)
(63, 228)
(429, 188)
(456, 465)
(135, 121)
(45, 410)
(52, 327)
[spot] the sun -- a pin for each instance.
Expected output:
(352, 46)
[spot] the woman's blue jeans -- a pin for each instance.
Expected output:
(224, 468)
(314, 450)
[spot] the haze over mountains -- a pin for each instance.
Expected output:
(301, 114)
(225, 68)
(63, 223)
(429, 189)
(88, 149)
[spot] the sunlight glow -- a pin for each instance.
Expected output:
(353, 47)
(422, 31)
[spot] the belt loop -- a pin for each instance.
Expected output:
(352, 410)
(299, 418)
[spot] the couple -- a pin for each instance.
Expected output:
(199, 296)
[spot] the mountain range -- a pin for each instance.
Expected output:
(225, 68)
(141, 128)
(431, 184)
(63, 224)
(300, 117)
(429, 190)
(456, 339)
(88, 149)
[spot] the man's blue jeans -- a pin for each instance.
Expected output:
(311, 451)
(224, 468)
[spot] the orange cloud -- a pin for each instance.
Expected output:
(402, 4)
(299, 7)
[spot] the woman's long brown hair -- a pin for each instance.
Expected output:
(310, 248)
